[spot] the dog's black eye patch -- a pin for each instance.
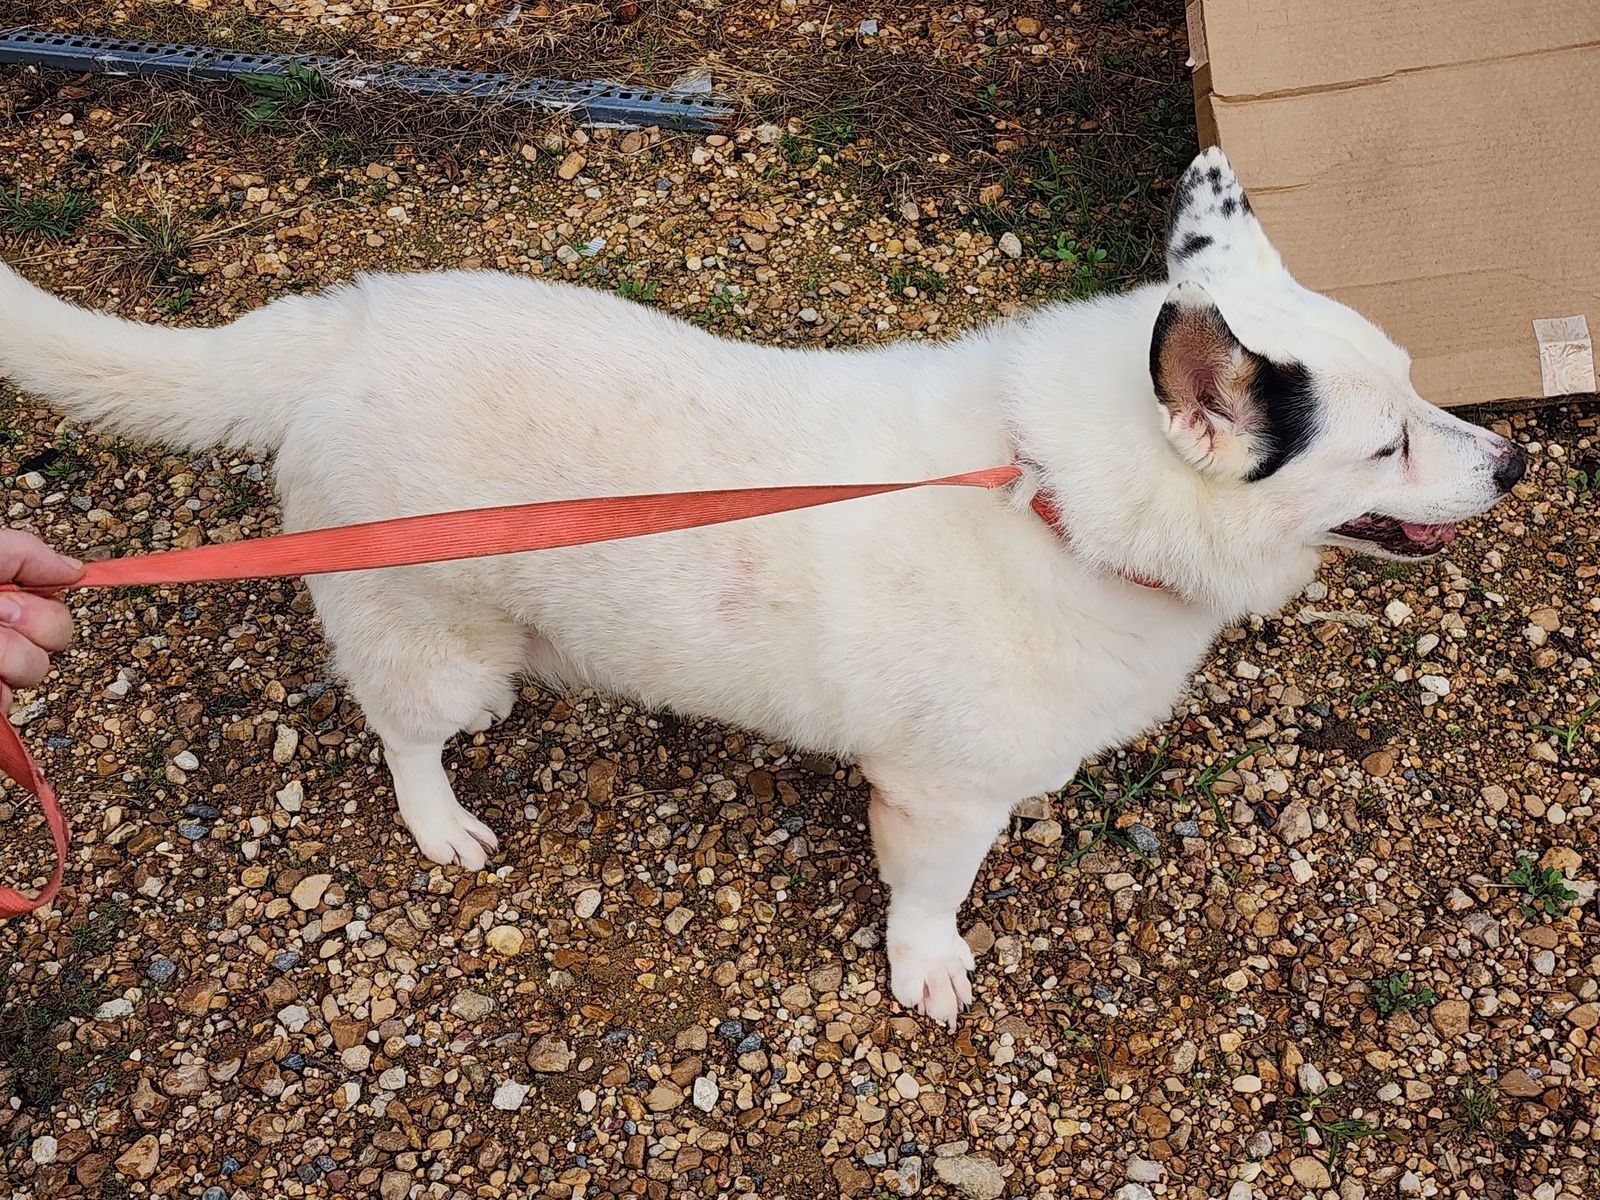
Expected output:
(1388, 451)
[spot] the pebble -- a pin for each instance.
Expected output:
(1398, 612)
(186, 761)
(393, 1079)
(1010, 245)
(1144, 840)
(509, 1096)
(285, 744)
(1187, 829)
(43, 1150)
(1544, 962)
(471, 1006)
(706, 1093)
(292, 797)
(588, 904)
(293, 1017)
(1133, 1191)
(114, 1010)
(1310, 1172)
(190, 831)
(1144, 1170)
(1247, 1084)
(1294, 823)
(910, 1089)
(505, 940)
(1437, 684)
(1311, 1080)
(286, 960)
(974, 1176)
(308, 893)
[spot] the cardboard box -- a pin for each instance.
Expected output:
(1432, 163)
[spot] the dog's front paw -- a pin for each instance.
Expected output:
(932, 980)
(454, 837)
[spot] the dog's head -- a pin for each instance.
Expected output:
(1300, 399)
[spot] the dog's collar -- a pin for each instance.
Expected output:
(1050, 513)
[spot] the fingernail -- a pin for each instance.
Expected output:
(74, 563)
(10, 610)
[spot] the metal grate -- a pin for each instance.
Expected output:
(591, 103)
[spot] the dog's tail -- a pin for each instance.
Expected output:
(236, 385)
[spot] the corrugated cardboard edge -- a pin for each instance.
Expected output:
(1566, 355)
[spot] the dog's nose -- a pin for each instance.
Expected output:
(1510, 467)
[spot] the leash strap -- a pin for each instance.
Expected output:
(437, 537)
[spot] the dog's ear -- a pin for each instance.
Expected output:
(1213, 230)
(1230, 412)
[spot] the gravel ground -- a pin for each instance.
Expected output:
(1330, 932)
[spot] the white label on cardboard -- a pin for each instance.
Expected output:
(1195, 14)
(1566, 355)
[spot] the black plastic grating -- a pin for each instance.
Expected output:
(591, 102)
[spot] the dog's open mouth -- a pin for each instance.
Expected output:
(1398, 537)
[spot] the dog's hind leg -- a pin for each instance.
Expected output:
(424, 667)
(930, 841)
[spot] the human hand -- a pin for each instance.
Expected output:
(32, 627)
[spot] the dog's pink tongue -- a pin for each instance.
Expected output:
(1429, 533)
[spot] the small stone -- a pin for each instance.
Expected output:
(974, 1176)
(706, 1093)
(1027, 26)
(910, 1089)
(1426, 644)
(1483, 927)
(1544, 962)
(1010, 245)
(293, 796)
(1520, 1085)
(1133, 1191)
(1246, 670)
(1451, 1017)
(1301, 871)
(1260, 1144)
(810, 316)
(1378, 764)
(1187, 829)
(1389, 1093)
(1311, 1172)
(1247, 1084)
(664, 1097)
(1585, 1016)
(1117, 880)
(161, 970)
(551, 1056)
(1043, 833)
(1316, 590)
(1311, 1080)
(1397, 611)
(571, 165)
(114, 1010)
(505, 940)
(1410, 1183)
(284, 746)
(1144, 1170)
(43, 1150)
(588, 904)
(1144, 840)
(186, 761)
(307, 894)
(1437, 684)
(1294, 823)
(509, 1096)
(141, 1159)
(471, 1006)
(393, 1079)
(294, 1017)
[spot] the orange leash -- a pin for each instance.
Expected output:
(439, 537)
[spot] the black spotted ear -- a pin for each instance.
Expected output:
(1213, 229)
(1230, 412)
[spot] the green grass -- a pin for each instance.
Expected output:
(56, 214)
(927, 281)
(1107, 795)
(1205, 782)
(1479, 1106)
(1393, 993)
(1545, 888)
(642, 290)
(1335, 1134)
(1570, 733)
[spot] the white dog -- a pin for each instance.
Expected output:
(1207, 434)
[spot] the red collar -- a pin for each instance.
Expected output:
(1050, 512)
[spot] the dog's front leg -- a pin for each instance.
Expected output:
(930, 843)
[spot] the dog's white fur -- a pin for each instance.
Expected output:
(947, 641)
